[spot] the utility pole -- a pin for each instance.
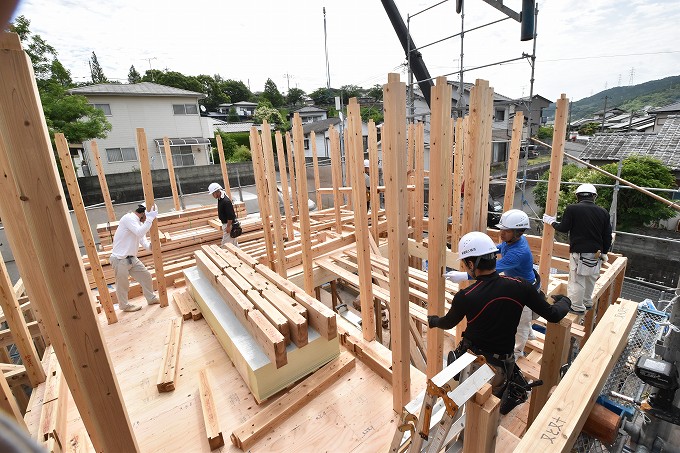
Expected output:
(150, 69)
(288, 77)
(460, 105)
(604, 113)
(325, 44)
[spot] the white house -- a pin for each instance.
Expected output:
(244, 109)
(320, 129)
(162, 111)
(310, 114)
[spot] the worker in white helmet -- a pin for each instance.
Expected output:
(130, 235)
(493, 306)
(225, 211)
(367, 179)
(590, 237)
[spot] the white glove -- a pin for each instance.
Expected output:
(456, 276)
(549, 219)
(604, 257)
(151, 215)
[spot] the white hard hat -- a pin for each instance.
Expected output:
(366, 163)
(514, 219)
(586, 188)
(474, 244)
(214, 187)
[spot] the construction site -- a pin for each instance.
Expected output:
(259, 347)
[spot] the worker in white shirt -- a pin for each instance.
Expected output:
(130, 234)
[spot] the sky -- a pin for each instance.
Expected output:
(583, 46)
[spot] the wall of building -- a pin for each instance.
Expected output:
(655, 260)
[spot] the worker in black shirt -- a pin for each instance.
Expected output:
(590, 237)
(493, 306)
(225, 211)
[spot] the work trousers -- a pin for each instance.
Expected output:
(131, 267)
(580, 287)
(226, 238)
(523, 332)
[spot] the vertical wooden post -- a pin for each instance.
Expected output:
(84, 225)
(457, 183)
(280, 154)
(556, 159)
(8, 403)
(513, 161)
(223, 165)
(439, 208)
(336, 173)
(102, 181)
(419, 181)
(410, 176)
(272, 196)
(262, 195)
(147, 184)
(171, 173)
(31, 189)
(374, 173)
(349, 176)
(305, 229)
(17, 325)
(315, 163)
(482, 414)
(291, 170)
(394, 151)
(486, 146)
(355, 148)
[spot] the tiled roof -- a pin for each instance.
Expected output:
(134, 89)
(663, 145)
(308, 109)
(319, 126)
(667, 108)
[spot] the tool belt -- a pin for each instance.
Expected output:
(495, 359)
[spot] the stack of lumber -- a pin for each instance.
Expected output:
(273, 332)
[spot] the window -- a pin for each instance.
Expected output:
(185, 109)
(121, 154)
(182, 156)
(500, 114)
(306, 143)
(106, 108)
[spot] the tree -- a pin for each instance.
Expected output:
(272, 93)
(96, 70)
(589, 128)
(375, 92)
(634, 209)
(233, 116)
(350, 91)
(134, 76)
(266, 112)
(236, 90)
(295, 96)
(372, 113)
(40, 53)
(324, 96)
(545, 132)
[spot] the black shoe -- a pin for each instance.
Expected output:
(576, 312)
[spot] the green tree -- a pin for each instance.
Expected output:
(350, 91)
(272, 93)
(545, 132)
(375, 92)
(295, 96)
(589, 128)
(634, 209)
(233, 116)
(40, 53)
(96, 70)
(264, 112)
(212, 87)
(242, 154)
(324, 96)
(236, 90)
(134, 76)
(372, 113)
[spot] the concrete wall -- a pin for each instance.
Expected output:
(127, 187)
(655, 260)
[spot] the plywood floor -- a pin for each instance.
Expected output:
(353, 414)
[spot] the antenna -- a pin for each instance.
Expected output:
(150, 69)
(288, 77)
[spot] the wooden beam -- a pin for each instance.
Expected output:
(439, 208)
(167, 373)
(280, 154)
(263, 197)
(102, 181)
(84, 225)
(14, 317)
(457, 183)
(182, 305)
(171, 173)
(291, 171)
(419, 205)
(147, 183)
(315, 164)
(223, 165)
(394, 151)
(9, 405)
(336, 174)
(273, 197)
(374, 175)
(513, 160)
(562, 418)
(245, 435)
(30, 173)
(209, 411)
(303, 206)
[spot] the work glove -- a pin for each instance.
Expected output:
(604, 257)
(151, 215)
(456, 276)
(549, 219)
(559, 298)
(432, 321)
(147, 245)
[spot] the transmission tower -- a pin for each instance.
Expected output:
(632, 76)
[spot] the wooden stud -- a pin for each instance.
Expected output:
(84, 225)
(171, 173)
(273, 197)
(145, 167)
(457, 183)
(419, 179)
(349, 174)
(513, 160)
(355, 149)
(394, 150)
(562, 418)
(336, 173)
(297, 324)
(182, 306)
(374, 175)
(223, 165)
(209, 411)
(303, 206)
(486, 146)
(264, 422)
(52, 422)
(167, 375)
(262, 193)
(317, 180)
(102, 181)
(482, 414)
(439, 208)
(8, 403)
(280, 154)
(291, 171)
(26, 158)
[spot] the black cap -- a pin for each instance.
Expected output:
(140, 209)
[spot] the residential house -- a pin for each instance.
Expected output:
(535, 118)
(160, 110)
(309, 114)
(244, 109)
(320, 129)
(662, 113)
